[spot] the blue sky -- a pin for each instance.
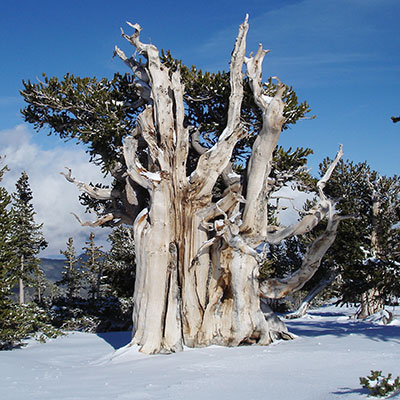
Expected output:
(341, 56)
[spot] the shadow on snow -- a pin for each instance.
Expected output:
(116, 339)
(344, 328)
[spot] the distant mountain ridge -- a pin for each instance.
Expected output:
(52, 268)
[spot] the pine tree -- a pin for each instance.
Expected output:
(27, 236)
(93, 267)
(367, 248)
(7, 277)
(72, 274)
(5, 246)
(120, 262)
(18, 321)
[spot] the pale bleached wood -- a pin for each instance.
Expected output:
(197, 261)
(92, 191)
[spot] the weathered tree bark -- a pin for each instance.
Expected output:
(197, 260)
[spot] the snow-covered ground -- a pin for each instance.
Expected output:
(324, 362)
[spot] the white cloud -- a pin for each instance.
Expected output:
(53, 197)
(289, 202)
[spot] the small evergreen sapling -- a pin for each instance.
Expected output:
(379, 385)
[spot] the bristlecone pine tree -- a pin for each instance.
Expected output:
(27, 237)
(176, 141)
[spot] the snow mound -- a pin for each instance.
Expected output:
(382, 317)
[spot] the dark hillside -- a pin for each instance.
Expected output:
(52, 268)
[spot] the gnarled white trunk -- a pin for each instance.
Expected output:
(197, 261)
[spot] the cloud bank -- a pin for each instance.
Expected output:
(53, 197)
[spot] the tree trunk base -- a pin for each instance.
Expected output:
(371, 303)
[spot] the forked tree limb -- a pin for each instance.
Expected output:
(278, 288)
(135, 169)
(324, 208)
(312, 294)
(254, 73)
(260, 163)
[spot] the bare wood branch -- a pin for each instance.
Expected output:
(226, 205)
(196, 142)
(134, 168)
(322, 182)
(212, 162)
(99, 222)
(182, 134)
(160, 86)
(145, 124)
(279, 288)
(140, 73)
(260, 162)
(254, 73)
(135, 40)
(276, 234)
(306, 303)
(324, 208)
(92, 191)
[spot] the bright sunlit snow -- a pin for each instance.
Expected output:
(325, 362)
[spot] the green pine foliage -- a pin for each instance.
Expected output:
(119, 266)
(360, 265)
(20, 321)
(97, 113)
(380, 386)
(7, 277)
(7, 280)
(366, 263)
(27, 237)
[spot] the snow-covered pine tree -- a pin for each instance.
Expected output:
(93, 267)
(72, 273)
(27, 237)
